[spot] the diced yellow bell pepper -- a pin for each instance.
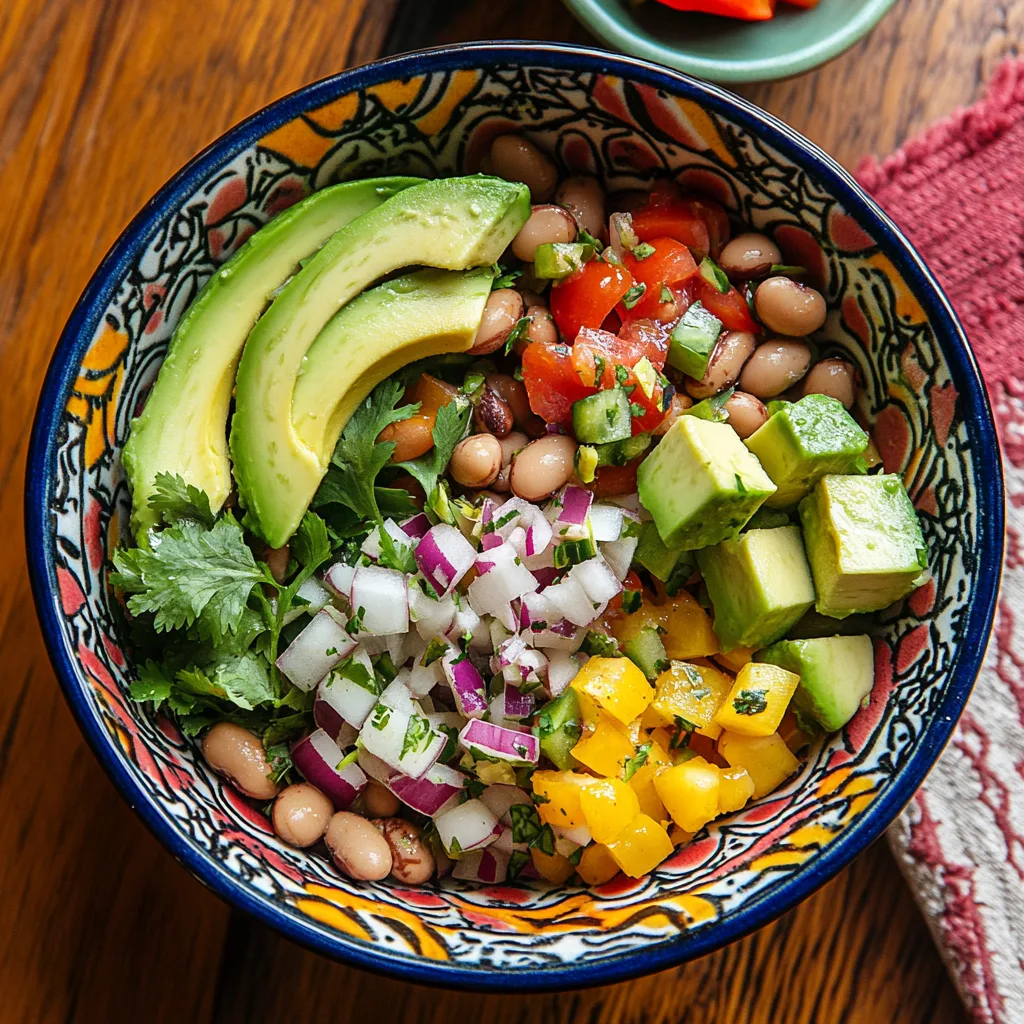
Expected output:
(690, 792)
(735, 659)
(552, 867)
(609, 805)
(560, 797)
(767, 759)
(605, 745)
(793, 736)
(682, 692)
(597, 865)
(758, 700)
(642, 780)
(735, 788)
(688, 630)
(640, 847)
(616, 685)
(679, 836)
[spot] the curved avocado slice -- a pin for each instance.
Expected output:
(183, 428)
(422, 314)
(452, 224)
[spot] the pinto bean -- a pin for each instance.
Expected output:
(788, 307)
(833, 377)
(501, 314)
(734, 348)
(515, 158)
(749, 255)
(542, 467)
(238, 755)
(547, 223)
(301, 813)
(411, 859)
(775, 366)
(358, 848)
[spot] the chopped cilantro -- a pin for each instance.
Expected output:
(632, 764)
(631, 601)
(642, 251)
(666, 294)
(435, 649)
(750, 702)
(634, 295)
(380, 716)
(175, 501)
(521, 327)
(503, 278)
(516, 863)
(418, 734)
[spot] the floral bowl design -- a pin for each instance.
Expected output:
(433, 113)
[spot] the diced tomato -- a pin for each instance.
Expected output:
(645, 338)
(586, 297)
(651, 404)
(632, 344)
(612, 480)
(731, 308)
(679, 219)
(717, 221)
(747, 10)
(551, 381)
(631, 582)
(670, 264)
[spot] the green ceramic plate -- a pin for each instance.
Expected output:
(726, 50)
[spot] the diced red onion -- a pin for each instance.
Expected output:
(490, 540)
(505, 843)
(534, 612)
(570, 601)
(432, 618)
(396, 695)
(450, 719)
(436, 792)
(510, 650)
(565, 847)
(423, 678)
(500, 742)
(382, 596)
(487, 511)
(472, 824)
(384, 735)
(467, 684)
(468, 623)
(621, 234)
(371, 547)
(314, 595)
(517, 705)
(560, 638)
(578, 836)
(316, 757)
(597, 580)
(374, 767)
(500, 798)
(339, 578)
(571, 506)
(619, 555)
(527, 517)
(492, 592)
(416, 526)
(487, 866)
(316, 650)
(327, 718)
(562, 669)
(444, 557)
(545, 576)
(349, 700)
(373, 645)
(605, 522)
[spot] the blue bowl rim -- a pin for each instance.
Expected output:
(777, 898)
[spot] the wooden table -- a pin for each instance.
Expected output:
(100, 101)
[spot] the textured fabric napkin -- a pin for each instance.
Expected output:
(958, 194)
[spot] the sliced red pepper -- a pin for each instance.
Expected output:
(586, 297)
(747, 10)
(670, 264)
(551, 381)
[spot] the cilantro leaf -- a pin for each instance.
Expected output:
(449, 427)
(633, 764)
(503, 278)
(243, 680)
(311, 544)
(394, 555)
(516, 863)
(153, 683)
(418, 735)
(190, 573)
(750, 702)
(175, 501)
(279, 757)
(359, 455)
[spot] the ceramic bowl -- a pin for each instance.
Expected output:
(727, 50)
(434, 113)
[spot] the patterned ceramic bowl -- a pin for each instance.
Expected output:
(435, 113)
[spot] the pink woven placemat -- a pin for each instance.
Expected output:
(958, 194)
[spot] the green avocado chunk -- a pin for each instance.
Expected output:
(421, 314)
(864, 543)
(836, 676)
(183, 428)
(700, 484)
(759, 585)
(452, 224)
(803, 442)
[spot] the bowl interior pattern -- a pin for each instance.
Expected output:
(434, 115)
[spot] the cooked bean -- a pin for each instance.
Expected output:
(379, 801)
(512, 391)
(277, 561)
(411, 859)
(502, 483)
(746, 413)
(788, 307)
(530, 298)
(413, 437)
(542, 327)
(679, 403)
(833, 377)
(301, 813)
(358, 848)
(476, 460)
(502, 312)
(547, 223)
(584, 197)
(238, 755)
(517, 159)
(510, 444)
(734, 348)
(749, 255)
(775, 366)
(492, 413)
(542, 467)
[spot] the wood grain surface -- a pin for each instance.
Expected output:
(100, 101)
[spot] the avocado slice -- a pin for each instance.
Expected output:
(864, 543)
(804, 441)
(759, 585)
(183, 427)
(451, 223)
(836, 675)
(421, 314)
(700, 484)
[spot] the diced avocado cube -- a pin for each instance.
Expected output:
(802, 442)
(693, 340)
(864, 543)
(700, 484)
(657, 559)
(759, 585)
(836, 675)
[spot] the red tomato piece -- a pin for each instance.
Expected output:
(551, 381)
(731, 308)
(612, 480)
(670, 264)
(586, 297)
(677, 219)
(716, 220)
(645, 338)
